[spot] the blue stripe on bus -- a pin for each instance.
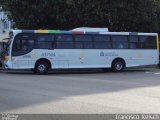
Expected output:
(133, 33)
(92, 32)
(66, 32)
(27, 31)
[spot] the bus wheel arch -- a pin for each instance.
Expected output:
(118, 64)
(42, 66)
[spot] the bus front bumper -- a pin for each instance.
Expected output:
(7, 65)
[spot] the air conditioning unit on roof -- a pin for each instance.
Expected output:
(88, 29)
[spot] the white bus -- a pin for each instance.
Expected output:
(43, 50)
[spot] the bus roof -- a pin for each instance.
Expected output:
(79, 32)
(88, 29)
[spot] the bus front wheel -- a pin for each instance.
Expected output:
(41, 67)
(118, 65)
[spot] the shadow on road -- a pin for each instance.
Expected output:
(20, 89)
(75, 71)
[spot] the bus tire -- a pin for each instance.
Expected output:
(41, 67)
(118, 65)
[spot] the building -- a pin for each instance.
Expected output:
(5, 27)
(5, 24)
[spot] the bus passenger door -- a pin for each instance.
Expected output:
(21, 62)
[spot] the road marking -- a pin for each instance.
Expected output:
(148, 72)
(157, 73)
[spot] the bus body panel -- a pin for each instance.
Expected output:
(84, 58)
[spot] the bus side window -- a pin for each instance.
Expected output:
(83, 42)
(88, 44)
(102, 42)
(119, 42)
(64, 42)
(133, 42)
(79, 41)
(44, 41)
(147, 42)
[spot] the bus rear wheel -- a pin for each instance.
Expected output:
(41, 67)
(118, 65)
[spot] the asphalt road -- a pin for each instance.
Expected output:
(132, 91)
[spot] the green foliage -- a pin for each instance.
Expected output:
(135, 15)
(117, 15)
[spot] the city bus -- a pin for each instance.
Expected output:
(44, 50)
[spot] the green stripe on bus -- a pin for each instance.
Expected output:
(54, 31)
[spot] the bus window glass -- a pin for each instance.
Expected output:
(44, 41)
(147, 42)
(64, 42)
(102, 42)
(30, 44)
(79, 41)
(83, 42)
(23, 45)
(119, 42)
(133, 42)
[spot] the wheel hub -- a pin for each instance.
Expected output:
(118, 66)
(41, 68)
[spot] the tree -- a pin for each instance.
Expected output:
(117, 15)
(134, 15)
